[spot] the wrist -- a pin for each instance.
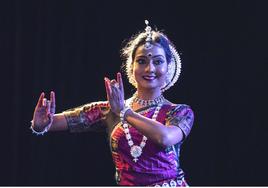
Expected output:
(40, 131)
(124, 113)
(37, 128)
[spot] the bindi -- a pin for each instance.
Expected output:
(149, 54)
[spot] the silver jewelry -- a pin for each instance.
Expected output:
(148, 40)
(122, 113)
(136, 150)
(143, 102)
(40, 132)
(174, 69)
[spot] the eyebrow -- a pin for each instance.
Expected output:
(152, 56)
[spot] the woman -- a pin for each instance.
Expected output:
(146, 130)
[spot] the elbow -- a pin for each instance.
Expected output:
(165, 141)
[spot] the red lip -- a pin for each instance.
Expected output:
(149, 78)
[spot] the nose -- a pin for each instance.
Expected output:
(150, 67)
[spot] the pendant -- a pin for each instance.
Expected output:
(135, 152)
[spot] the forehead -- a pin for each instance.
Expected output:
(156, 50)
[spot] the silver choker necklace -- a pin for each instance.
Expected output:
(142, 102)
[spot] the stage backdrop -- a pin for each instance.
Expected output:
(69, 46)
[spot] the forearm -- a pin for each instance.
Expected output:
(163, 135)
(89, 117)
(59, 123)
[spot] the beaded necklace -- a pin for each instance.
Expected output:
(142, 102)
(136, 150)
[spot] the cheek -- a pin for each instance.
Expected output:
(136, 71)
(162, 71)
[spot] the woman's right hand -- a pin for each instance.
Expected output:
(44, 111)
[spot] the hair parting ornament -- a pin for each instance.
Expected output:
(174, 64)
(149, 39)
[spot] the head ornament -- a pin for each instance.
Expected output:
(174, 66)
(149, 39)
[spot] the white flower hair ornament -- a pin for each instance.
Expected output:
(174, 69)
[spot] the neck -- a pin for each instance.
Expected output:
(148, 94)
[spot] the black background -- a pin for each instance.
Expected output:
(69, 46)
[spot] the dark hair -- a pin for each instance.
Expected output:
(139, 39)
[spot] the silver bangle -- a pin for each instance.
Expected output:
(122, 113)
(40, 132)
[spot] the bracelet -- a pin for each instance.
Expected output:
(40, 132)
(122, 114)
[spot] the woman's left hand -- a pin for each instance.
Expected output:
(115, 93)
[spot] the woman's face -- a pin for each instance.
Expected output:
(150, 67)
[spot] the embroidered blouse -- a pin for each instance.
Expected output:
(156, 164)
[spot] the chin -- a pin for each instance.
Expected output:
(150, 86)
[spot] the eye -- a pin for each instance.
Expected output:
(141, 61)
(158, 61)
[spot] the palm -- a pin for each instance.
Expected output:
(44, 111)
(41, 117)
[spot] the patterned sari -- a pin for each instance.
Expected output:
(157, 166)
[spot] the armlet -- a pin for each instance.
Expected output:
(87, 117)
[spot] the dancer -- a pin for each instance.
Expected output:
(145, 131)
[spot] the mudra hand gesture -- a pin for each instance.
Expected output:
(43, 113)
(115, 93)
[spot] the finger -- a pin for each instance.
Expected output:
(115, 100)
(48, 107)
(113, 81)
(117, 93)
(118, 77)
(40, 100)
(52, 102)
(44, 103)
(107, 87)
(120, 81)
(115, 90)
